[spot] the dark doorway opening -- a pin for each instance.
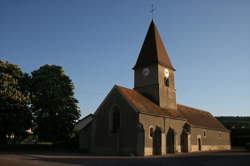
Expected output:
(116, 118)
(170, 141)
(184, 141)
(199, 144)
(157, 141)
(140, 140)
(184, 137)
(115, 128)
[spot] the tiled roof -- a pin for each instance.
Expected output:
(153, 50)
(199, 118)
(83, 122)
(143, 104)
(195, 117)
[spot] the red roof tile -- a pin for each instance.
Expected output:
(199, 118)
(195, 117)
(143, 104)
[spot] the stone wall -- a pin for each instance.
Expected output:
(134, 134)
(147, 85)
(194, 148)
(167, 95)
(104, 140)
(85, 139)
(164, 123)
(210, 139)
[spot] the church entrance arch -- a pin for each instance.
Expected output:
(157, 141)
(184, 138)
(184, 142)
(170, 141)
(140, 140)
(199, 144)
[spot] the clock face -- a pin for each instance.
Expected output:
(166, 73)
(145, 72)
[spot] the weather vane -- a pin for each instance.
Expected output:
(152, 10)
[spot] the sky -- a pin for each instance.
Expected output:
(97, 43)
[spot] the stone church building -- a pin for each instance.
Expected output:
(147, 120)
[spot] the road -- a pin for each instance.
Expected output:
(229, 158)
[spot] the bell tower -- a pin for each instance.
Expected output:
(153, 71)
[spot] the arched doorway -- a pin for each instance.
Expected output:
(170, 141)
(157, 141)
(184, 141)
(199, 144)
(184, 137)
(140, 140)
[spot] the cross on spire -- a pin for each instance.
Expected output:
(152, 10)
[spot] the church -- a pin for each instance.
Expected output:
(147, 120)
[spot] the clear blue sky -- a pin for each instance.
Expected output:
(97, 42)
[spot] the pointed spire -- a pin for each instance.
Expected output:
(153, 50)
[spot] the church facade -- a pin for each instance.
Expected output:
(147, 120)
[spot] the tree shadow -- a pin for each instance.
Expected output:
(198, 159)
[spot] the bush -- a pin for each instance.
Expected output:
(240, 137)
(247, 145)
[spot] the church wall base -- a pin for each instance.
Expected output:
(195, 148)
(148, 151)
(178, 148)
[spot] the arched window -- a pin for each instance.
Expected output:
(151, 132)
(166, 81)
(116, 120)
(170, 141)
(204, 133)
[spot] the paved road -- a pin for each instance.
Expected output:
(230, 158)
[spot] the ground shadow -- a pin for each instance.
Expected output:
(195, 159)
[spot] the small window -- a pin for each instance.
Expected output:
(204, 133)
(151, 132)
(166, 80)
(220, 135)
(116, 120)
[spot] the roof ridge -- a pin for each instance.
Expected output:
(119, 88)
(155, 40)
(193, 116)
(195, 109)
(160, 44)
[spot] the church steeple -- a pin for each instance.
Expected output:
(153, 50)
(154, 72)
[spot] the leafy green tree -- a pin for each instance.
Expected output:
(54, 107)
(15, 116)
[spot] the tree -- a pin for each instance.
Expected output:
(15, 116)
(54, 107)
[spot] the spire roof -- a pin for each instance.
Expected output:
(153, 50)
